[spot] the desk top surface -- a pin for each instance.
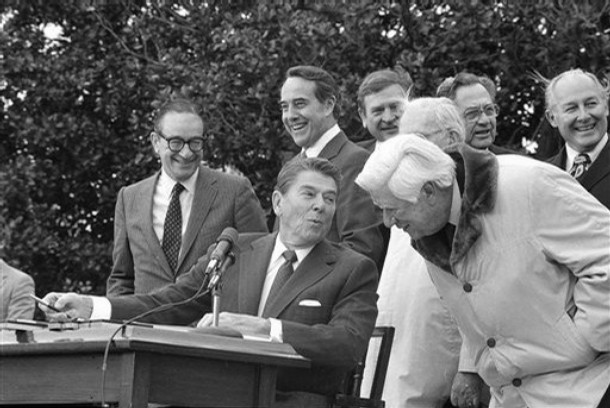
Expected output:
(25, 337)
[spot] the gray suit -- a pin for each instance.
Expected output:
(139, 265)
(15, 286)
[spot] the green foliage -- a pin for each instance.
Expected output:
(77, 109)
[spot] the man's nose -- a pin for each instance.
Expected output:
(583, 113)
(388, 218)
(388, 115)
(185, 151)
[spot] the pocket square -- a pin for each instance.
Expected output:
(310, 303)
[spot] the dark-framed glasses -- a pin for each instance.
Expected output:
(473, 114)
(176, 143)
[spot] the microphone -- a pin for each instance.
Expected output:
(224, 244)
(218, 272)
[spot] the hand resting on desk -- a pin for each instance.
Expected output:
(72, 306)
(247, 325)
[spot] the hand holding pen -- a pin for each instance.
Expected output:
(62, 307)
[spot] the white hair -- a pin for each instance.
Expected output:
(442, 110)
(403, 164)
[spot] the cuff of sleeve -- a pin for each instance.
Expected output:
(102, 309)
(276, 334)
(467, 359)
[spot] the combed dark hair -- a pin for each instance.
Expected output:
(178, 105)
(326, 87)
(379, 80)
(299, 164)
(448, 88)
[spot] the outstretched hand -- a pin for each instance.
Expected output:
(70, 306)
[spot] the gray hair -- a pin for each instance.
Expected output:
(549, 96)
(443, 110)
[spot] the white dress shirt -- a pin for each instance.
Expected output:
(593, 154)
(316, 148)
(162, 197)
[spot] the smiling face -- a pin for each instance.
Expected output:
(579, 111)
(481, 132)
(178, 165)
(425, 217)
(306, 209)
(305, 117)
(382, 111)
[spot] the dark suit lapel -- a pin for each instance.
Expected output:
(144, 198)
(253, 264)
(333, 147)
(599, 169)
(314, 267)
(205, 193)
(559, 159)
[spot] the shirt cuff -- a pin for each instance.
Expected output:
(102, 309)
(277, 333)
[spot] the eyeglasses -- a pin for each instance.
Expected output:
(176, 143)
(473, 114)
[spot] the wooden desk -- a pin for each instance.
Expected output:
(157, 365)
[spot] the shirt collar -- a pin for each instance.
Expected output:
(456, 205)
(167, 183)
(316, 148)
(279, 249)
(593, 154)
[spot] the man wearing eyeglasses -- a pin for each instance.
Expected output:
(475, 98)
(164, 223)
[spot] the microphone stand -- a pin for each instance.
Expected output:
(217, 287)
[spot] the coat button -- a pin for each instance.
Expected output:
(491, 342)
(517, 382)
(467, 287)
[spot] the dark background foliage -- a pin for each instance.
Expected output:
(76, 108)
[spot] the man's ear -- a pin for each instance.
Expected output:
(154, 141)
(276, 202)
(550, 116)
(329, 104)
(454, 137)
(362, 117)
(428, 192)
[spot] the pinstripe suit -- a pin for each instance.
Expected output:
(139, 265)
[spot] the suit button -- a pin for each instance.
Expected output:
(467, 287)
(517, 382)
(491, 342)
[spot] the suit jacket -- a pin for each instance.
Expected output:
(597, 179)
(15, 286)
(139, 265)
(356, 222)
(334, 335)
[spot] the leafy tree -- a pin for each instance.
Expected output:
(76, 108)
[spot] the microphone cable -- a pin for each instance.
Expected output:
(202, 291)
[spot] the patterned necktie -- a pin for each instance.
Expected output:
(580, 166)
(172, 228)
(283, 274)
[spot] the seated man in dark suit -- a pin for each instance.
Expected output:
(326, 309)
(577, 105)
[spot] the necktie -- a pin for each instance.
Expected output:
(283, 274)
(172, 228)
(581, 164)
